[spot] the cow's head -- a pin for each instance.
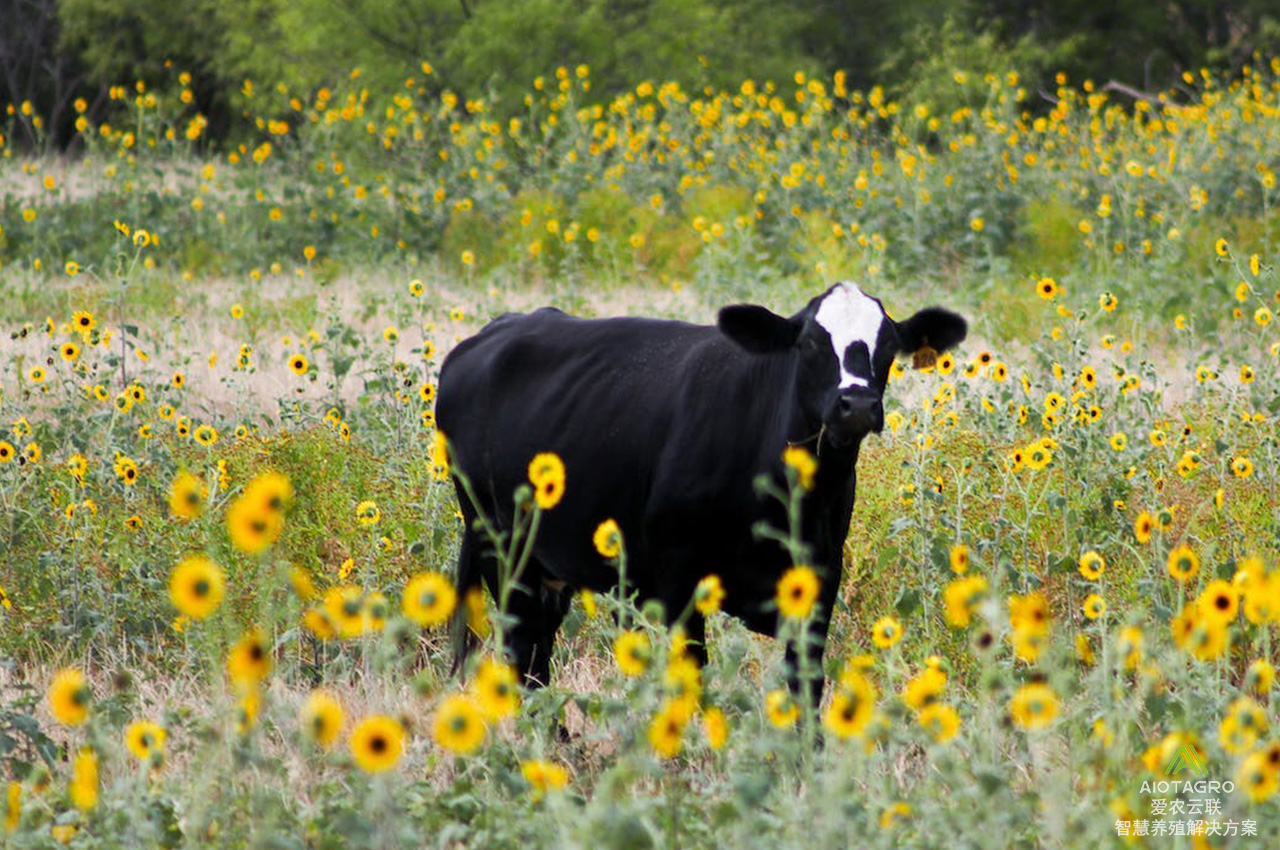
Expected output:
(846, 345)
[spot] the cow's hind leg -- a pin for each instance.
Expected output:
(474, 567)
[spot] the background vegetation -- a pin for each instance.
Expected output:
(225, 312)
(53, 51)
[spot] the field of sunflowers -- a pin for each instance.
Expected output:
(228, 525)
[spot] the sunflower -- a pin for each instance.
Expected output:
(925, 688)
(1219, 601)
(427, 392)
(1034, 706)
(544, 776)
(345, 609)
(885, 632)
(440, 456)
(891, 815)
(631, 651)
(496, 690)
(316, 621)
(249, 661)
(83, 322)
(959, 559)
(69, 697)
(197, 586)
(7, 452)
(377, 743)
(83, 789)
(1183, 563)
(682, 680)
(252, 527)
(145, 740)
(1208, 640)
(546, 473)
(321, 717)
(803, 463)
(376, 611)
(1084, 650)
(69, 351)
(851, 706)
(1047, 288)
(78, 466)
(797, 592)
(269, 491)
(781, 709)
(13, 807)
(298, 364)
(1143, 525)
(459, 725)
(368, 513)
(429, 599)
(708, 595)
(1094, 606)
(1260, 676)
(940, 720)
(716, 727)
(126, 470)
(1131, 647)
(666, 730)
(1257, 777)
(206, 435)
(303, 584)
(1091, 565)
(1242, 467)
(1029, 613)
(608, 539)
(961, 598)
(187, 493)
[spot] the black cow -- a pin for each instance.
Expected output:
(663, 426)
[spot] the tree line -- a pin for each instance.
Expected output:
(54, 52)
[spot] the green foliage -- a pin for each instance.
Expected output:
(284, 308)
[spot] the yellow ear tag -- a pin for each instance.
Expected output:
(924, 358)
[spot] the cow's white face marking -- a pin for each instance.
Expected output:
(850, 316)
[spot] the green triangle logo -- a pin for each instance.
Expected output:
(1186, 758)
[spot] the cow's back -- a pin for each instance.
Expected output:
(608, 396)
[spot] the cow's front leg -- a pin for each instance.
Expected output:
(536, 612)
(805, 672)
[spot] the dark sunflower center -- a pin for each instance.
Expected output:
(1221, 602)
(255, 652)
(201, 587)
(378, 744)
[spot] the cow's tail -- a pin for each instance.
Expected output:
(462, 635)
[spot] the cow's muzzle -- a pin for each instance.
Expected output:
(858, 412)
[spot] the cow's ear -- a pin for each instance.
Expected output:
(757, 329)
(932, 327)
